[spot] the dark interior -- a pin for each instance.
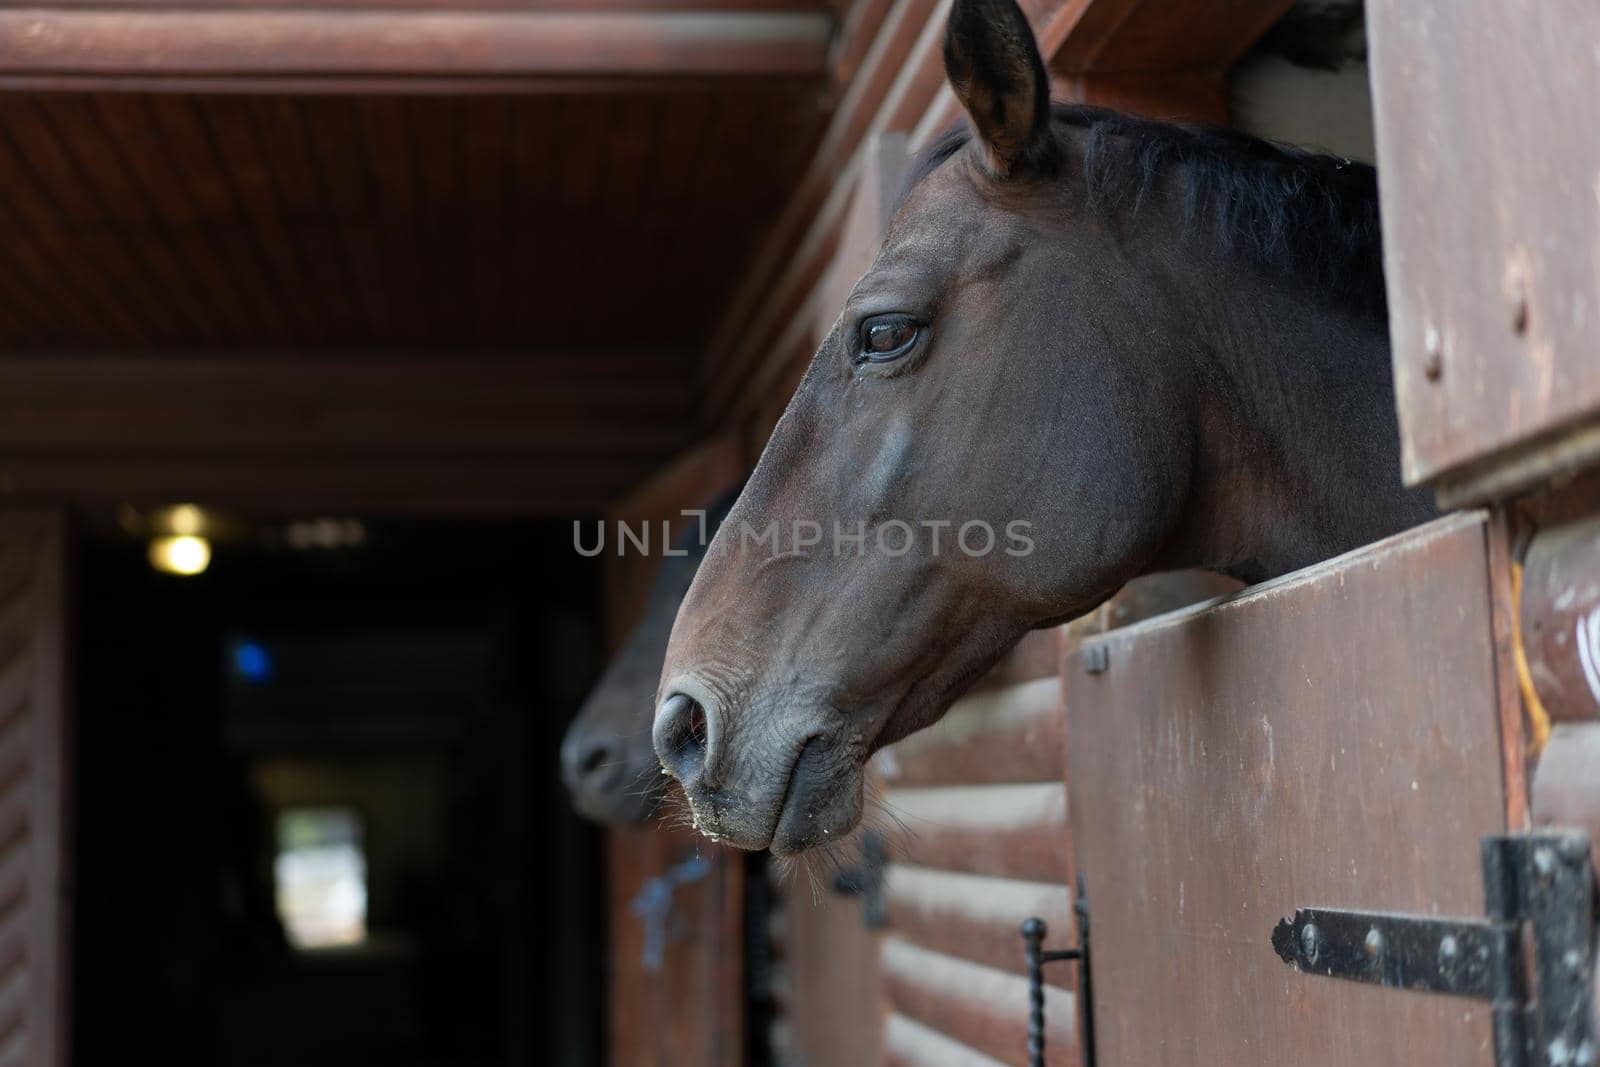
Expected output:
(418, 684)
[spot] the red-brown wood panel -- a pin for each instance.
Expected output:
(675, 974)
(33, 790)
(827, 985)
(1330, 738)
(1491, 219)
(185, 221)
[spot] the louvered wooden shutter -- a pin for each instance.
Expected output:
(978, 825)
(33, 913)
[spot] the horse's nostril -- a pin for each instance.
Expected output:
(594, 759)
(681, 736)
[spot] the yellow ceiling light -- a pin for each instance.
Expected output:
(180, 554)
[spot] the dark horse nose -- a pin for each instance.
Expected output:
(588, 761)
(681, 736)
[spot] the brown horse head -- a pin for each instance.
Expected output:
(607, 760)
(1090, 347)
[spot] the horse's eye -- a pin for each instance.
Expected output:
(887, 337)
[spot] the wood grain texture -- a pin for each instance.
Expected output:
(1110, 36)
(1329, 738)
(908, 1043)
(342, 46)
(976, 1006)
(281, 223)
(34, 839)
(1009, 831)
(1012, 734)
(1504, 307)
(978, 918)
(690, 1010)
(832, 1006)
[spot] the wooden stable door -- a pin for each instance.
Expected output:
(1332, 738)
(33, 905)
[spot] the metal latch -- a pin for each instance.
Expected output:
(1540, 883)
(1036, 955)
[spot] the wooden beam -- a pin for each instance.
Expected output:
(604, 404)
(1107, 36)
(497, 486)
(349, 50)
(537, 434)
(578, 6)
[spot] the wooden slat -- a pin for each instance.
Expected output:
(977, 918)
(976, 1006)
(908, 1043)
(1015, 734)
(263, 405)
(1009, 831)
(578, 6)
(1159, 35)
(1036, 656)
(340, 48)
(528, 485)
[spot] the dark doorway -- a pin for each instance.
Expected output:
(318, 819)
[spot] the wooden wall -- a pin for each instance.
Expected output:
(33, 766)
(975, 810)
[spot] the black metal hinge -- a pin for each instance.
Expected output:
(1540, 884)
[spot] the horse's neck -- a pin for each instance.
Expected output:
(1298, 448)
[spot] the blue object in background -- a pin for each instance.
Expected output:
(252, 662)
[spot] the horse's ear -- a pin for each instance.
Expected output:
(997, 73)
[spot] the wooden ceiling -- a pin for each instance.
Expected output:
(163, 221)
(242, 265)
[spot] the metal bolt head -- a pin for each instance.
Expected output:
(1432, 354)
(1374, 943)
(1574, 848)
(1311, 942)
(1449, 954)
(1573, 960)
(1096, 659)
(1544, 863)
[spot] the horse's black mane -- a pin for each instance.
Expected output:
(1312, 215)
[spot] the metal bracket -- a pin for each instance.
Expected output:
(1034, 931)
(865, 880)
(653, 906)
(1543, 883)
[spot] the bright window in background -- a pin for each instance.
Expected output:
(321, 876)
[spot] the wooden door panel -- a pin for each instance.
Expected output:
(1331, 738)
(676, 971)
(1491, 218)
